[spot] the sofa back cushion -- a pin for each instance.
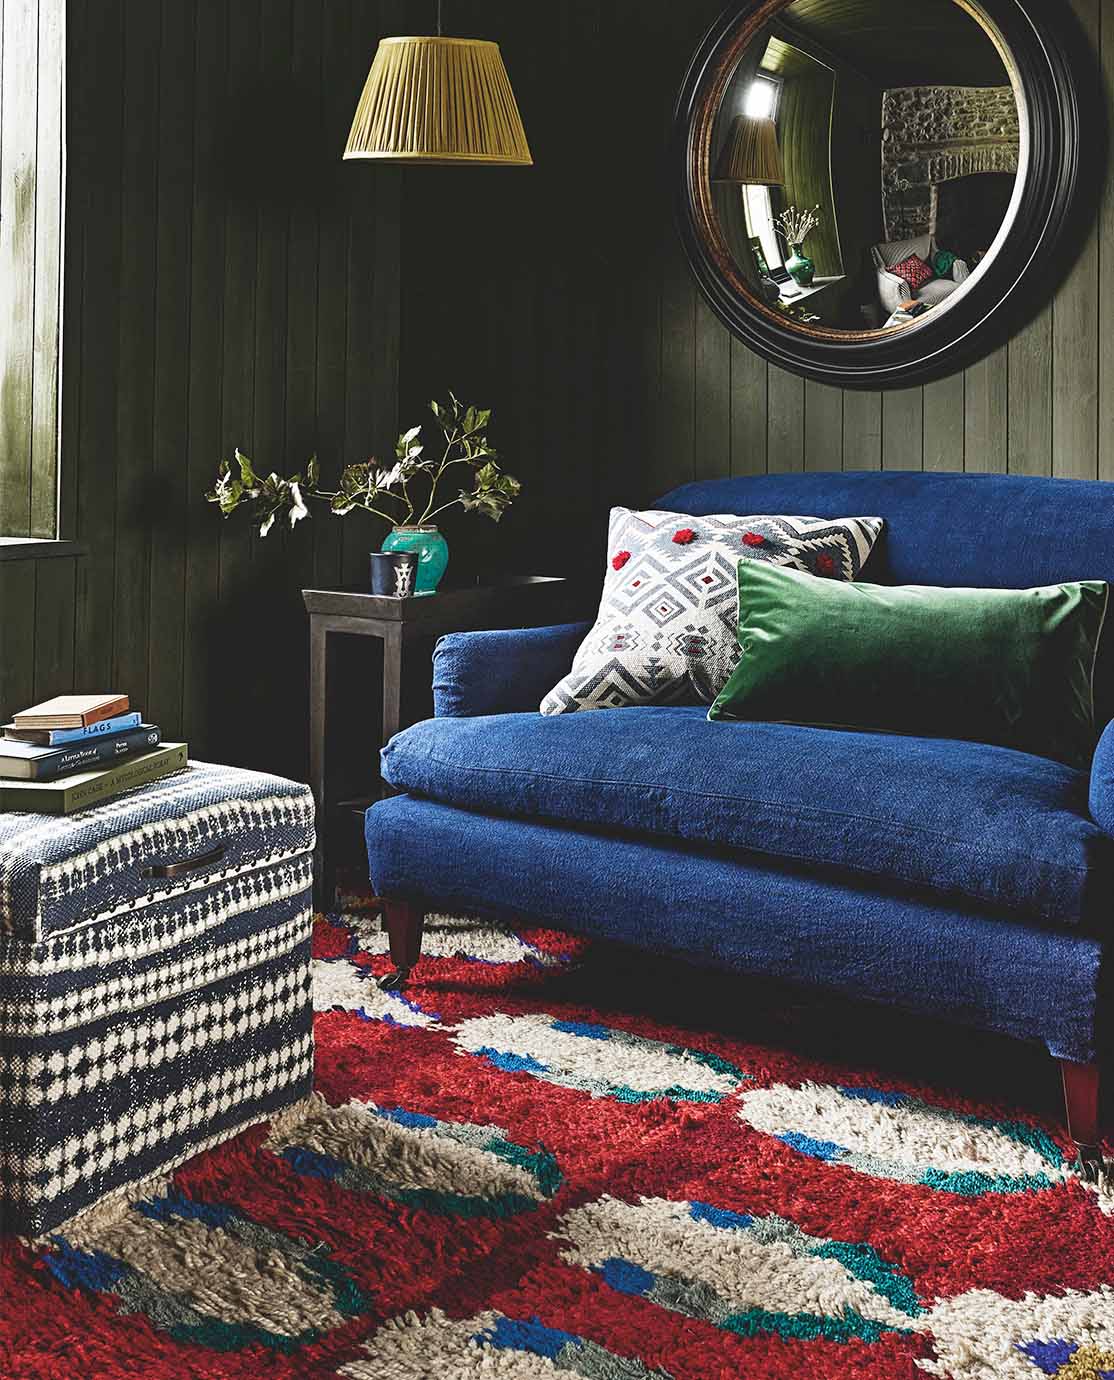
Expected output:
(891, 252)
(979, 530)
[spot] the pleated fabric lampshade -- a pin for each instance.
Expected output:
(751, 154)
(439, 101)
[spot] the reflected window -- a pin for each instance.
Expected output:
(760, 224)
(761, 102)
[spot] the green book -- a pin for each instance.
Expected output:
(83, 789)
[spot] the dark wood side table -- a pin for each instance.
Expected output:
(513, 601)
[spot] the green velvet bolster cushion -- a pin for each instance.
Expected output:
(1012, 667)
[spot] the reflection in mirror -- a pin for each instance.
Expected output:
(864, 159)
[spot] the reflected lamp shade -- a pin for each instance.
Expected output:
(751, 154)
(439, 101)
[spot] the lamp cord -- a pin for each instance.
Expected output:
(439, 18)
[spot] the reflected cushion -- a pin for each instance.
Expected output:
(891, 252)
(915, 271)
(666, 627)
(1009, 667)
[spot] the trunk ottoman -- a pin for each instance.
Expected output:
(154, 982)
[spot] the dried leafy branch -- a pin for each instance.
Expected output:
(407, 494)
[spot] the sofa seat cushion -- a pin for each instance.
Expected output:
(996, 826)
(935, 291)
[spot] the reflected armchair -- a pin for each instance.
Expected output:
(893, 289)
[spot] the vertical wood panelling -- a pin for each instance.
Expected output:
(673, 455)
(204, 436)
(985, 394)
(266, 418)
(36, 631)
(862, 431)
(238, 286)
(90, 445)
(786, 421)
(804, 131)
(55, 588)
(330, 342)
(1075, 339)
(17, 634)
(823, 427)
(170, 476)
(750, 430)
(943, 423)
(232, 631)
(903, 429)
(1029, 406)
(1104, 285)
(228, 280)
(135, 378)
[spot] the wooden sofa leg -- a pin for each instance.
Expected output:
(403, 923)
(1081, 1104)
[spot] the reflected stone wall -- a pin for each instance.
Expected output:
(931, 134)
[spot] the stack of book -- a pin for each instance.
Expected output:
(80, 750)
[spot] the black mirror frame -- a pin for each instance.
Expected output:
(1066, 136)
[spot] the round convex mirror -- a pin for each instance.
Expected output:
(872, 188)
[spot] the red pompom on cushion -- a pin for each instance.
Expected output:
(825, 565)
(684, 536)
(753, 539)
(915, 271)
(619, 560)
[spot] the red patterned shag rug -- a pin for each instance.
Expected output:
(552, 1159)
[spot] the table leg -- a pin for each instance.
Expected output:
(392, 683)
(324, 883)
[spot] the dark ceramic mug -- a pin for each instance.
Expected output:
(394, 573)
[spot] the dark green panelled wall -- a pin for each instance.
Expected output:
(230, 281)
(571, 306)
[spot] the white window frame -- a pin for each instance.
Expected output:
(758, 205)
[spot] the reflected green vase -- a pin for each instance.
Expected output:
(799, 266)
(432, 549)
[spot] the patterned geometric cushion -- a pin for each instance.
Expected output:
(666, 630)
(915, 271)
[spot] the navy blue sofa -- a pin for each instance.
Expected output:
(952, 878)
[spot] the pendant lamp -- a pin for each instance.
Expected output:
(438, 101)
(750, 154)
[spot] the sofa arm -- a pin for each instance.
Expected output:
(892, 290)
(1101, 793)
(501, 672)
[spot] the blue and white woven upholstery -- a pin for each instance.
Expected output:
(142, 1019)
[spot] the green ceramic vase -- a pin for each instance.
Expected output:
(432, 549)
(799, 266)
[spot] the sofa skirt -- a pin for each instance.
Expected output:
(184, 1021)
(917, 951)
